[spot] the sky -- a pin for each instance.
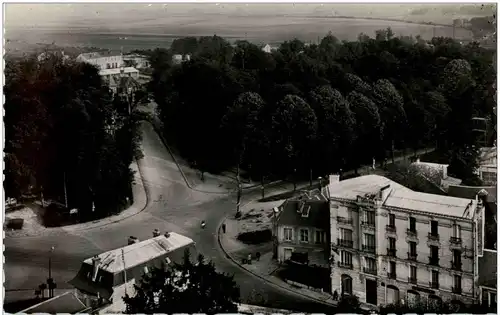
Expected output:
(126, 15)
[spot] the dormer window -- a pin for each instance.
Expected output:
(167, 260)
(146, 270)
(305, 211)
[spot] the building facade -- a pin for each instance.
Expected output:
(391, 244)
(102, 61)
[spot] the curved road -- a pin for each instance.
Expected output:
(172, 206)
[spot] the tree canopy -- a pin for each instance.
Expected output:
(193, 288)
(333, 105)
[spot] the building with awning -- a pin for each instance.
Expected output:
(103, 280)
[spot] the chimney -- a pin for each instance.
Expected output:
(156, 232)
(167, 234)
(96, 261)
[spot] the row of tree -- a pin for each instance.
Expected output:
(319, 108)
(67, 139)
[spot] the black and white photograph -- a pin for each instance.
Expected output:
(231, 157)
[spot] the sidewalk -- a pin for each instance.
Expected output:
(266, 267)
(141, 197)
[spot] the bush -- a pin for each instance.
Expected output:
(311, 276)
(255, 237)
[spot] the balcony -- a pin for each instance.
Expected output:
(370, 224)
(411, 232)
(433, 237)
(372, 271)
(345, 265)
(345, 243)
(434, 285)
(456, 240)
(369, 249)
(412, 256)
(391, 275)
(433, 261)
(456, 265)
(390, 228)
(391, 252)
(456, 290)
(342, 220)
(412, 280)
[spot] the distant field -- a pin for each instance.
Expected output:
(153, 33)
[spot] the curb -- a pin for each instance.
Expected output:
(234, 261)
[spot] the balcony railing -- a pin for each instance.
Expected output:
(412, 256)
(368, 223)
(411, 232)
(456, 265)
(434, 285)
(434, 261)
(390, 228)
(372, 271)
(391, 275)
(345, 243)
(456, 240)
(412, 280)
(391, 252)
(346, 265)
(456, 290)
(369, 248)
(343, 220)
(433, 237)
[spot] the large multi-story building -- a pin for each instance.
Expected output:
(391, 244)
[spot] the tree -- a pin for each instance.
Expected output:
(173, 290)
(349, 304)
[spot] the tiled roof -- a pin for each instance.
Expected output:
(318, 213)
(64, 303)
(470, 192)
(488, 269)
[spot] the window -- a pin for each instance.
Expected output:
(320, 237)
(413, 223)
(370, 240)
(371, 264)
(288, 234)
(434, 228)
(434, 252)
(457, 231)
(413, 273)
(346, 284)
(392, 243)
(346, 234)
(413, 248)
(168, 261)
(392, 219)
(457, 257)
(392, 268)
(304, 235)
(435, 279)
(457, 282)
(346, 258)
(492, 299)
(370, 217)
(107, 66)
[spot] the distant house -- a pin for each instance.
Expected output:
(267, 48)
(435, 173)
(136, 61)
(177, 58)
(117, 78)
(488, 165)
(46, 55)
(103, 280)
(302, 231)
(102, 61)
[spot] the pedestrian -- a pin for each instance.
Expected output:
(335, 295)
(224, 228)
(257, 256)
(249, 259)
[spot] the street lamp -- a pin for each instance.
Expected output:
(129, 99)
(50, 281)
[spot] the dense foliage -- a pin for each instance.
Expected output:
(184, 288)
(323, 107)
(65, 135)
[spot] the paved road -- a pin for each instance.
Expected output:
(173, 206)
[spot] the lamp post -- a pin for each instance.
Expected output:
(129, 100)
(50, 281)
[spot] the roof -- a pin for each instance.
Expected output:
(488, 269)
(125, 82)
(64, 303)
(362, 185)
(118, 71)
(140, 252)
(318, 213)
(470, 192)
(399, 196)
(430, 203)
(149, 253)
(90, 55)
